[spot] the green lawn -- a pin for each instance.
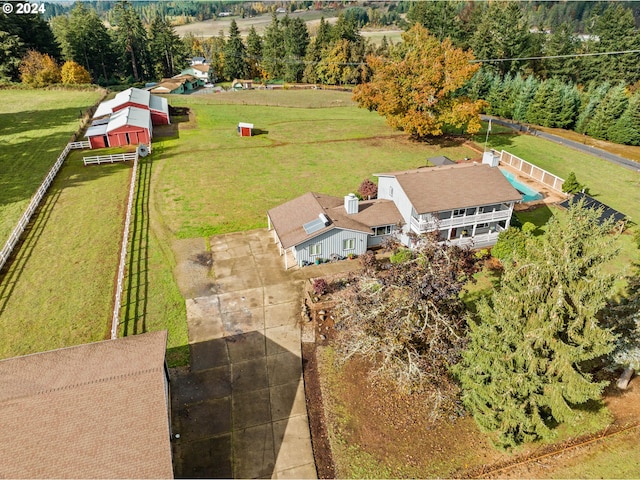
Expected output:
(35, 126)
(613, 185)
(214, 181)
(59, 290)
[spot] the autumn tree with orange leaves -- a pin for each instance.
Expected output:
(416, 87)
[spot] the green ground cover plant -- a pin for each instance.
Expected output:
(214, 181)
(59, 289)
(35, 126)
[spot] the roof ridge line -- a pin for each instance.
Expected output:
(80, 384)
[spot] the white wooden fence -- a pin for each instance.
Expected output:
(115, 319)
(80, 145)
(530, 170)
(33, 205)
(118, 157)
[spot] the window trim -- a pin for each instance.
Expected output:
(315, 249)
(388, 229)
(349, 241)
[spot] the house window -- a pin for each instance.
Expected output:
(458, 212)
(386, 230)
(349, 244)
(482, 225)
(315, 249)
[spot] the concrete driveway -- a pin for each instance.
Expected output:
(240, 409)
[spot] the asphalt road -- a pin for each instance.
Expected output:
(610, 157)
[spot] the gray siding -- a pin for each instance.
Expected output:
(332, 242)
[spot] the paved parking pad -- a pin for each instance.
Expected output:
(240, 409)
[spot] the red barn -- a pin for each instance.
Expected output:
(245, 129)
(129, 126)
(127, 119)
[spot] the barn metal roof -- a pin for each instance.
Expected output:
(590, 202)
(131, 116)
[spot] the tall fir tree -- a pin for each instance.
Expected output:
(561, 41)
(85, 40)
(524, 97)
(235, 54)
(502, 34)
(296, 40)
(254, 53)
(608, 111)
(440, 17)
(524, 368)
(273, 49)
(626, 130)
(590, 100)
(131, 40)
(11, 51)
(168, 53)
(537, 111)
(616, 30)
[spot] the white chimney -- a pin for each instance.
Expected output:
(351, 204)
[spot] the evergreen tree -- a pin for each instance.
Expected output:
(570, 102)
(589, 102)
(537, 111)
(554, 105)
(524, 368)
(33, 31)
(440, 17)
(235, 53)
(571, 184)
(616, 30)
(502, 33)
(85, 40)
(131, 40)
(562, 41)
(167, 50)
(524, 97)
(273, 49)
(11, 50)
(626, 130)
(296, 40)
(478, 87)
(254, 53)
(608, 111)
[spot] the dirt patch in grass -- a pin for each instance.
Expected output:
(376, 431)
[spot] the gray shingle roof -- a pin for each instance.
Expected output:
(92, 411)
(454, 186)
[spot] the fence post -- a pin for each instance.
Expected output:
(115, 320)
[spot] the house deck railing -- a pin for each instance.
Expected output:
(119, 157)
(422, 226)
(530, 170)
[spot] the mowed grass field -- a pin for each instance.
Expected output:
(59, 289)
(35, 126)
(213, 181)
